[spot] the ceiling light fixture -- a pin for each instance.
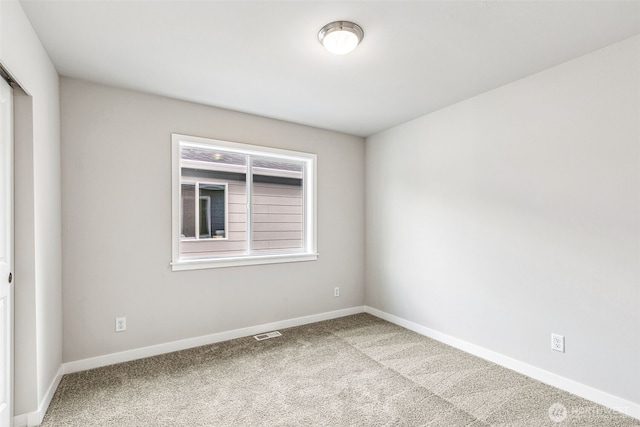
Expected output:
(341, 37)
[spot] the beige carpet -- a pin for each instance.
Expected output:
(354, 371)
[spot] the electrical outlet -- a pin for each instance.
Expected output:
(336, 291)
(121, 324)
(557, 343)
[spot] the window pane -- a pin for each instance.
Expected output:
(221, 217)
(213, 210)
(277, 204)
(187, 201)
(205, 217)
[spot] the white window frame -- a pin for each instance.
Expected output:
(196, 183)
(309, 250)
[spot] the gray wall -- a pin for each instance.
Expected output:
(116, 158)
(38, 307)
(516, 214)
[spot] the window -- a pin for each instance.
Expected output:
(238, 204)
(207, 218)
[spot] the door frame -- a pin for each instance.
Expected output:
(8, 169)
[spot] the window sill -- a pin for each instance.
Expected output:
(198, 264)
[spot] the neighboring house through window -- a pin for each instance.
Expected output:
(237, 204)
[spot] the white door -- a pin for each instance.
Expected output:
(6, 250)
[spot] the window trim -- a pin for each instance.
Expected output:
(308, 252)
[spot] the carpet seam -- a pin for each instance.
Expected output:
(404, 376)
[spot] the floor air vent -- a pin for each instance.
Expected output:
(268, 335)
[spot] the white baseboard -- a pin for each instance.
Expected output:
(33, 419)
(610, 401)
(155, 350)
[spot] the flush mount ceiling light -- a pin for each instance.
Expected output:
(341, 37)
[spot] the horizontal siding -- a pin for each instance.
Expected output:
(212, 246)
(237, 226)
(277, 209)
(277, 200)
(277, 190)
(277, 235)
(240, 208)
(277, 216)
(277, 244)
(236, 217)
(278, 226)
(257, 218)
(238, 198)
(237, 188)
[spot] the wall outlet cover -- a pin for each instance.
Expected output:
(557, 342)
(121, 324)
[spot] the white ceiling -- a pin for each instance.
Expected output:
(263, 57)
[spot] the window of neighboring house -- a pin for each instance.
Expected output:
(239, 204)
(203, 209)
